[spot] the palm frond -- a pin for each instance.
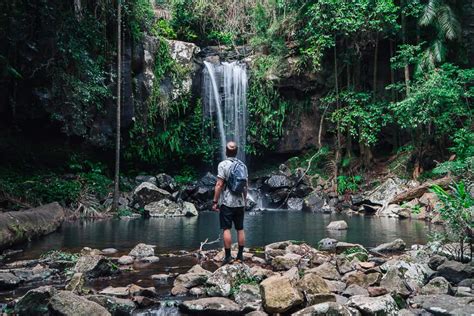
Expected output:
(448, 23)
(430, 12)
(438, 50)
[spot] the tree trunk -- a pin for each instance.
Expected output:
(338, 127)
(392, 72)
(119, 83)
(407, 66)
(420, 190)
(376, 53)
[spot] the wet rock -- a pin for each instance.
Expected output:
(326, 271)
(36, 273)
(8, 281)
(455, 271)
(248, 297)
(285, 262)
(394, 246)
(211, 306)
(122, 291)
(381, 305)
(279, 295)
(194, 277)
(189, 209)
(126, 260)
(166, 182)
(444, 304)
(337, 225)
(142, 250)
(302, 190)
(327, 244)
(313, 202)
(76, 283)
(224, 278)
(135, 290)
(355, 289)
(68, 303)
(35, 301)
(161, 278)
(147, 193)
(116, 306)
(144, 302)
(295, 204)
(323, 309)
(438, 285)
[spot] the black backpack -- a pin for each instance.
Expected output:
(237, 177)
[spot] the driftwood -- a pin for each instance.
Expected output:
(420, 190)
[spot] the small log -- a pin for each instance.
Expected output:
(420, 190)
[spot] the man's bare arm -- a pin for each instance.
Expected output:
(217, 192)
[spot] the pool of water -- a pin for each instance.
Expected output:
(262, 228)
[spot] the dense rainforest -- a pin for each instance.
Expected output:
(368, 81)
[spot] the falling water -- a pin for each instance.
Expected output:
(225, 95)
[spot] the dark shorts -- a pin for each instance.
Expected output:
(227, 215)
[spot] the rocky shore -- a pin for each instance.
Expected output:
(288, 277)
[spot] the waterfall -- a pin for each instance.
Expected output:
(225, 97)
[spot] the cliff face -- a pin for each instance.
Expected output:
(468, 29)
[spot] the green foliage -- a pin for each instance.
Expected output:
(318, 159)
(163, 28)
(457, 212)
(240, 281)
(463, 148)
(349, 184)
(139, 16)
(186, 175)
(58, 255)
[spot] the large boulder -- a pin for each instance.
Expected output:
(115, 305)
(147, 193)
(166, 182)
(286, 262)
(279, 294)
(94, 266)
(16, 227)
(313, 202)
(380, 305)
(67, 303)
(438, 285)
(168, 208)
(444, 304)
(223, 279)
(248, 297)
(194, 277)
(337, 225)
(35, 301)
(315, 289)
(394, 246)
(142, 250)
(295, 204)
(278, 181)
(189, 209)
(455, 271)
(385, 192)
(326, 271)
(8, 281)
(276, 249)
(323, 309)
(403, 277)
(211, 306)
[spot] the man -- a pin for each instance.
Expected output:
(231, 204)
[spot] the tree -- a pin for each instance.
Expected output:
(119, 81)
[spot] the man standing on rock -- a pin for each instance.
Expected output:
(230, 197)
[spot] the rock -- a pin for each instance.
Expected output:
(295, 204)
(260, 274)
(209, 180)
(150, 259)
(141, 178)
(404, 277)
(211, 306)
(33, 274)
(367, 265)
(256, 313)
(142, 250)
(125, 260)
(438, 285)
(444, 304)
(313, 202)
(429, 199)
(385, 192)
(145, 302)
(8, 281)
(393, 281)
(326, 271)
(161, 278)
(189, 209)
(197, 291)
(16, 227)
(276, 249)
(278, 181)
(94, 266)
(323, 309)
(376, 291)
(327, 244)
(179, 290)
(394, 246)
(147, 193)
(109, 251)
(381, 305)
(194, 277)
(392, 210)
(435, 261)
(464, 291)
(285, 262)
(343, 246)
(292, 274)
(166, 182)
(248, 297)
(336, 286)
(68, 303)
(115, 305)
(355, 289)
(35, 301)
(224, 278)
(122, 291)
(455, 271)
(312, 284)
(337, 225)
(279, 295)
(164, 208)
(76, 283)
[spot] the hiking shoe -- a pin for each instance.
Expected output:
(240, 258)
(227, 260)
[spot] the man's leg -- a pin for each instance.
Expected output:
(227, 238)
(225, 217)
(239, 226)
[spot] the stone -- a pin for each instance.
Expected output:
(276, 249)
(68, 303)
(125, 260)
(248, 297)
(394, 283)
(295, 204)
(150, 259)
(337, 225)
(211, 306)
(8, 281)
(164, 208)
(115, 305)
(136, 290)
(380, 305)
(336, 286)
(115, 291)
(455, 271)
(323, 309)
(292, 274)
(404, 277)
(394, 246)
(355, 289)
(109, 251)
(179, 290)
(285, 262)
(438, 285)
(147, 193)
(429, 199)
(94, 266)
(326, 271)
(385, 192)
(392, 210)
(313, 202)
(279, 295)
(278, 181)
(197, 291)
(356, 277)
(311, 283)
(435, 261)
(161, 278)
(189, 209)
(33, 274)
(142, 250)
(260, 273)
(35, 301)
(76, 283)
(208, 180)
(366, 265)
(376, 291)
(327, 244)
(195, 276)
(143, 178)
(166, 182)
(256, 313)
(343, 246)
(444, 304)
(224, 278)
(464, 291)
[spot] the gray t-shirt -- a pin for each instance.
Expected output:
(228, 198)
